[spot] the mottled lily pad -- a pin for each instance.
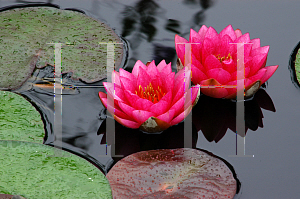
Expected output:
(25, 34)
(19, 120)
(297, 66)
(178, 173)
(34, 170)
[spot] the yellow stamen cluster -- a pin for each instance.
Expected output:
(150, 94)
(223, 58)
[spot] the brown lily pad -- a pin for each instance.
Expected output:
(178, 173)
(27, 34)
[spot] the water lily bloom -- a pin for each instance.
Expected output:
(214, 61)
(150, 98)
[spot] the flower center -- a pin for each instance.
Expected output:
(223, 58)
(150, 93)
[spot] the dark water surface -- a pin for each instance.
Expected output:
(149, 28)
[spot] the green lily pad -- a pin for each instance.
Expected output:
(297, 66)
(19, 120)
(33, 170)
(25, 34)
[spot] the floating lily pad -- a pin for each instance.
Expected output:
(178, 173)
(25, 34)
(35, 171)
(19, 120)
(297, 66)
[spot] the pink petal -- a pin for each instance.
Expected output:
(152, 70)
(181, 76)
(114, 91)
(168, 96)
(247, 49)
(196, 62)
(202, 31)
(236, 74)
(211, 62)
(258, 61)
(178, 92)
(229, 65)
(247, 71)
(270, 71)
(194, 37)
(178, 106)
(197, 75)
(167, 116)
(260, 50)
(207, 49)
(119, 113)
(143, 104)
(126, 109)
(160, 107)
(228, 31)
(231, 91)
(181, 84)
(103, 98)
(116, 109)
(137, 66)
(245, 38)
(128, 75)
(213, 92)
(257, 76)
(225, 46)
(194, 91)
(127, 123)
(168, 82)
(179, 46)
(116, 78)
(131, 98)
(160, 67)
(143, 78)
(195, 48)
(255, 43)
(166, 70)
(238, 33)
(157, 82)
(220, 75)
(212, 35)
(181, 116)
(127, 84)
(141, 116)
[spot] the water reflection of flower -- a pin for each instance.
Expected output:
(129, 141)
(214, 116)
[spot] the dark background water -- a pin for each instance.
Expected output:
(150, 27)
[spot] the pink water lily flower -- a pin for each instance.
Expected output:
(150, 98)
(214, 60)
